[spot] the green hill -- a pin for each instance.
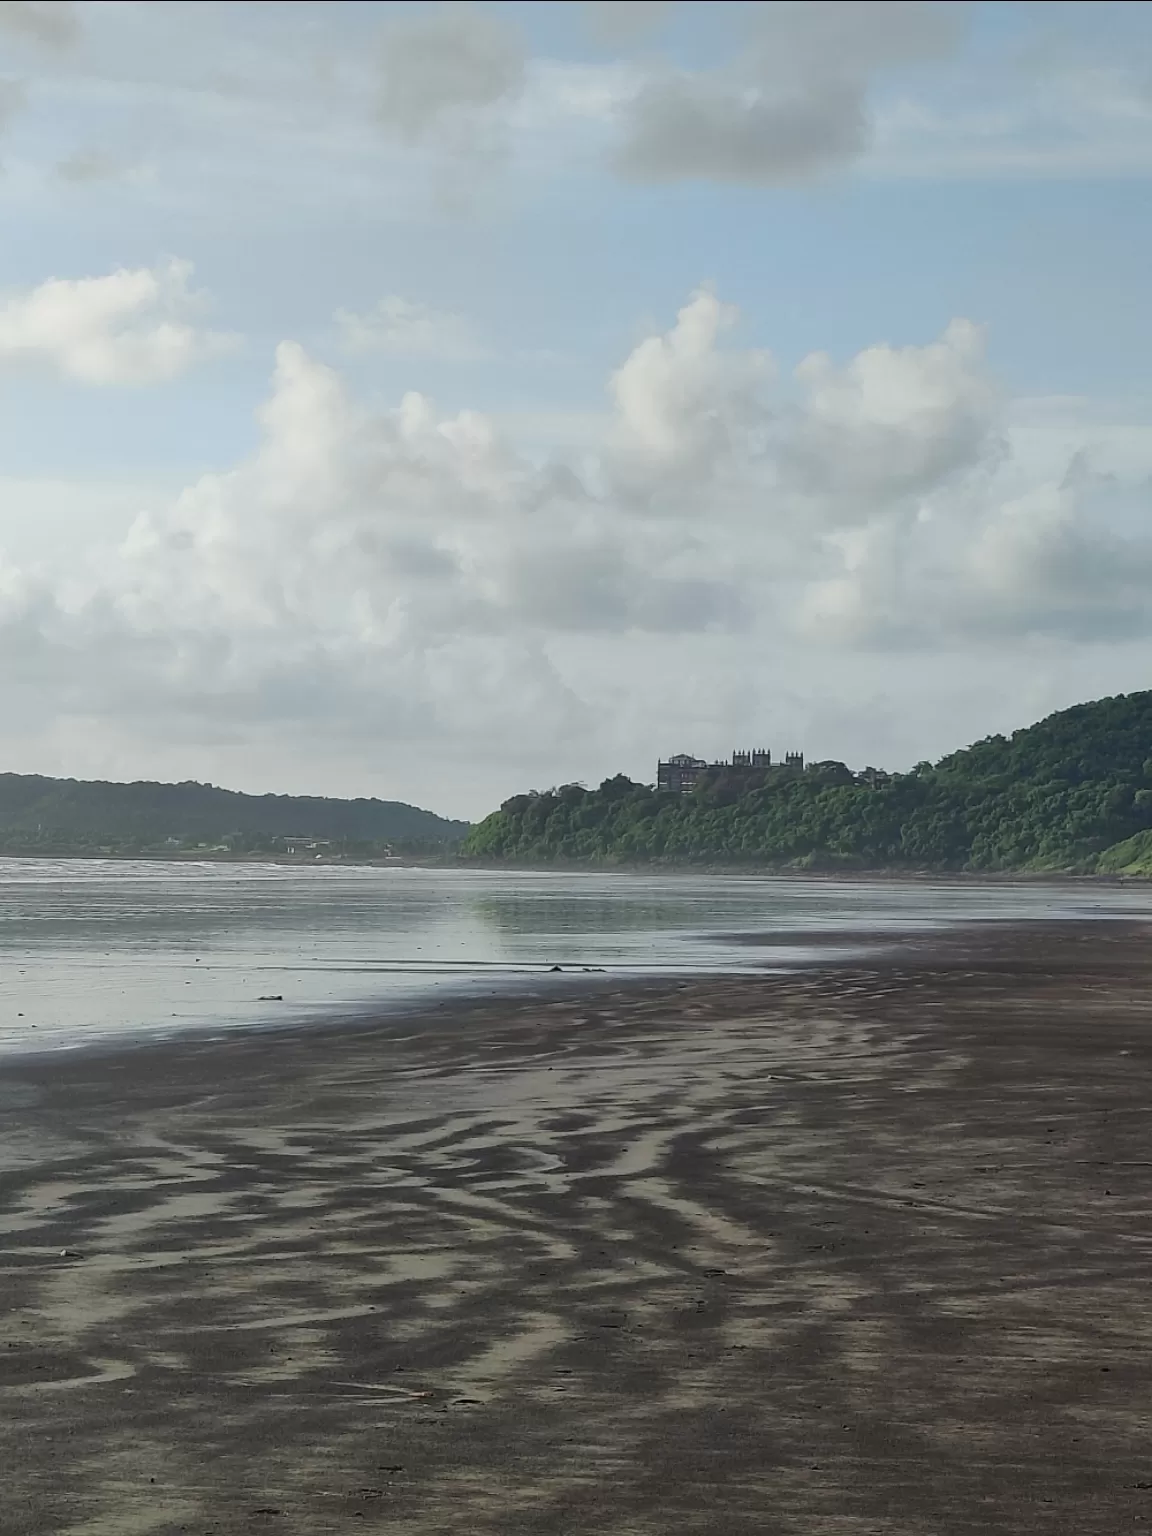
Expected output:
(42, 815)
(1072, 793)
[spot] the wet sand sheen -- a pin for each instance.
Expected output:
(863, 1249)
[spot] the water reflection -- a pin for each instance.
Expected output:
(97, 948)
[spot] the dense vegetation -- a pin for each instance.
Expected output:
(41, 815)
(1071, 793)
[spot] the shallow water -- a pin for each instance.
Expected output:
(93, 949)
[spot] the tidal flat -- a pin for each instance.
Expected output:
(862, 1248)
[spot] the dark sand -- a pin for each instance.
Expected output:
(860, 1250)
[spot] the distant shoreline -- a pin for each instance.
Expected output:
(673, 870)
(783, 872)
(212, 856)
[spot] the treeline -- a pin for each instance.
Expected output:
(1071, 793)
(45, 815)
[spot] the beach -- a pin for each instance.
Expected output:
(861, 1248)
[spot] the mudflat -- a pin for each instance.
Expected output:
(860, 1249)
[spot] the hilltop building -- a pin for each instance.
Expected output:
(759, 757)
(682, 771)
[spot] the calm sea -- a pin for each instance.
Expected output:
(93, 949)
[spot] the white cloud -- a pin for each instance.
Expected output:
(409, 577)
(794, 103)
(894, 423)
(400, 328)
(393, 532)
(130, 327)
(45, 21)
(385, 575)
(684, 406)
(447, 68)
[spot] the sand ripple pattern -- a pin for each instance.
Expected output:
(864, 1251)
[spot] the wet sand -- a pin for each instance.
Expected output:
(864, 1249)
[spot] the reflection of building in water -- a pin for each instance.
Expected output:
(682, 771)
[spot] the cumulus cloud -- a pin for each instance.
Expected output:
(446, 69)
(396, 571)
(129, 327)
(45, 21)
(891, 425)
(684, 405)
(794, 103)
(409, 575)
(396, 529)
(400, 328)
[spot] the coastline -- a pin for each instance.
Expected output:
(848, 874)
(861, 1247)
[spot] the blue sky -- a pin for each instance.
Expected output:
(493, 515)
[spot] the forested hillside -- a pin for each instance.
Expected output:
(56, 815)
(1071, 793)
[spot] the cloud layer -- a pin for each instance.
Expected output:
(407, 109)
(793, 101)
(409, 576)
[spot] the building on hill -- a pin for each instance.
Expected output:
(682, 771)
(794, 760)
(759, 757)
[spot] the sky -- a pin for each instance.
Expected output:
(442, 401)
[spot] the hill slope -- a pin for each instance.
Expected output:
(1073, 792)
(42, 814)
